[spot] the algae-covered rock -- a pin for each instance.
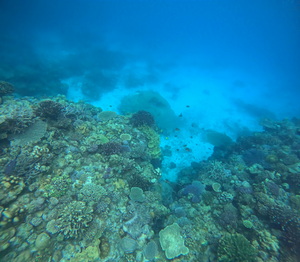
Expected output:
(90, 254)
(24, 256)
(5, 236)
(128, 245)
(42, 241)
(10, 188)
(151, 250)
(104, 247)
(247, 224)
(172, 242)
(52, 227)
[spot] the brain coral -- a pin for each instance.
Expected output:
(74, 219)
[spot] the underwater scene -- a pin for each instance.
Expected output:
(150, 130)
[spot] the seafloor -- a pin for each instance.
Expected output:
(82, 184)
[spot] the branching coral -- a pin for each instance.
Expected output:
(49, 109)
(236, 248)
(74, 219)
(111, 148)
(142, 118)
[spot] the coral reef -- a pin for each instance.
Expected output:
(81, 183)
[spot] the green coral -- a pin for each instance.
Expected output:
(58, 187)
(235, 248)
(248, 224)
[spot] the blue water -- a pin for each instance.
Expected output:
(252, 47)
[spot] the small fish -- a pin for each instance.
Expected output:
(177, 129)
(188, 149)
(187, 106)
(180, 115)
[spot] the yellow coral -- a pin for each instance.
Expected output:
(153, 141)
(89, 254)
(268, 241)
(120, 184)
